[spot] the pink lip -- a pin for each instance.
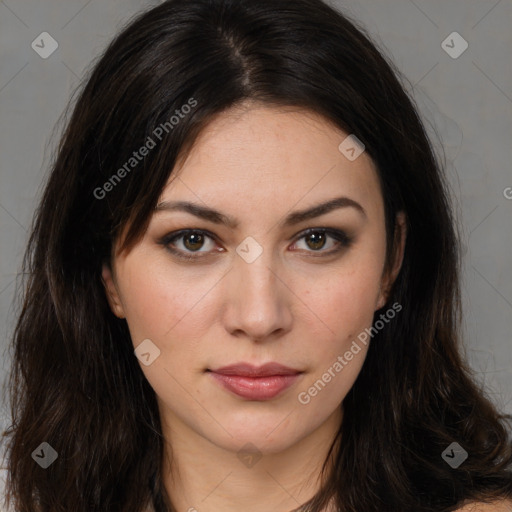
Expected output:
(256, 383)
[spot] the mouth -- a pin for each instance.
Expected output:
(256, 383)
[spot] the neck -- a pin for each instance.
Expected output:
(200, 476)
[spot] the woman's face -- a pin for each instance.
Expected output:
(257, 288)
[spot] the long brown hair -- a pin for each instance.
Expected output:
(75, 382)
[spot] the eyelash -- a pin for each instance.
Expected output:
(344, 241)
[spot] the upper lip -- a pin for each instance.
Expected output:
(248, 370)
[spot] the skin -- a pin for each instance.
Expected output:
(291, 305)
(499, 506)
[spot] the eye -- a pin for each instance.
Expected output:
(315, 239)
(191, 241)
(188, 242)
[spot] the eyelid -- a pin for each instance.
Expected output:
(339, 235)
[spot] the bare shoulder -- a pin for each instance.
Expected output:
(497, 506)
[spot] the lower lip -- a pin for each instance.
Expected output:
(256, 388)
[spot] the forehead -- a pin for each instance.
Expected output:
(263, 158)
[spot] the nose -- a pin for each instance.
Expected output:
(258, 300)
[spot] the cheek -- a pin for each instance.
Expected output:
(170, 309)
(344, 300)
(159, 303)
(339, 343)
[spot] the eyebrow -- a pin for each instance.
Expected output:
(293, 218)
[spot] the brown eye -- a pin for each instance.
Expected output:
(193, 241)
(187, 242)
(315, 240)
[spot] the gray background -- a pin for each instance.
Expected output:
(467, 101)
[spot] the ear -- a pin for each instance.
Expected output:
(113, 297)
(389, 278)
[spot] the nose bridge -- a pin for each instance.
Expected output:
(255, 269)
(258, 300)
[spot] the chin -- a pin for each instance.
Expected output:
(255, 441)
(273, 433)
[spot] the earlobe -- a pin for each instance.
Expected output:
(111, 291)
(400, 236)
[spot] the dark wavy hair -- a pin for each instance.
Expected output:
(75, 382)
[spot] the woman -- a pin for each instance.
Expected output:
(243, 287)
